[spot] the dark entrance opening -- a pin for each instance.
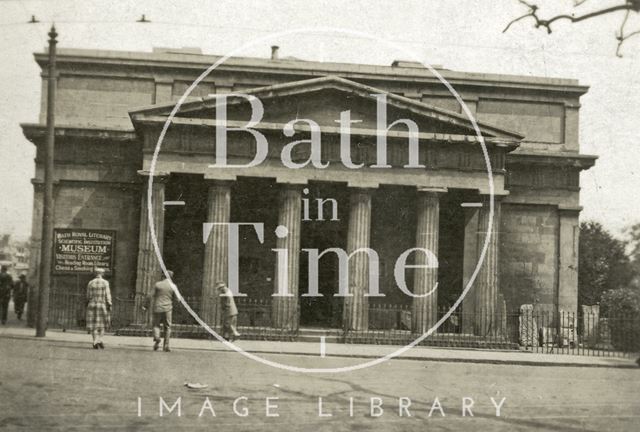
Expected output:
(183, 250)
(324, 311)
(451, 255)
(255, 200)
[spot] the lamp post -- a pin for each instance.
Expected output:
(47, 208)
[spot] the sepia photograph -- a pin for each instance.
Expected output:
(320, 216)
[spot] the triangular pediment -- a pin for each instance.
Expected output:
(322, 100)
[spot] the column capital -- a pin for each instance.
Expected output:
(289, 189)
(361, 194)
(163, 80)
(432, 190)
(295, 186)
(363, 185)
(220, 174)
(496, 195)
(211, 182)
(365, 189)
(158, 176)
(292, 181)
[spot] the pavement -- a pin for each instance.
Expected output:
(59, 383)
(17, 330)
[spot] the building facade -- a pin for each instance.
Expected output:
(111, 109)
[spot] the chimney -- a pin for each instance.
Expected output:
(274, 52)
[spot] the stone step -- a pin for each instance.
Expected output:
(316, 338)
(332, 336)
(318, 331)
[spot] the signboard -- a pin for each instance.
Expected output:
(79, 250)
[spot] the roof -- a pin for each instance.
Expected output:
(403, 70)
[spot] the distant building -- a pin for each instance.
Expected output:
(111, 107)
(15, 255)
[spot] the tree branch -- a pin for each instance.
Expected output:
(628, 5)
(621, 37)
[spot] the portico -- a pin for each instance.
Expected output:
(447, 160)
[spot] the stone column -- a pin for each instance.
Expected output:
(356, 306)
(285, 308)
(424, 310)
(487, 283)
(216, 249)
(148, 272)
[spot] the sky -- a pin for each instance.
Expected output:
(464, 35)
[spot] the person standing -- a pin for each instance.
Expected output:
(20, 292)
(161, 302)
(6, 284)
(229, 313)
(98, 307)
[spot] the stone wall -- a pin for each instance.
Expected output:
(99, 101)
(96, 187)
(537, 121)
(101, 206)
(99, 96)
(528, 255)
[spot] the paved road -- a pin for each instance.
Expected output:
(47, 385)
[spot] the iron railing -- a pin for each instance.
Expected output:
(392, 324)
(540, 331)
(68, 311)
(566, 332)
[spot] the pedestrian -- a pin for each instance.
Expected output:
(98, 307)
(161, 303)
(20, 293)
(6, 284)
(229, 313)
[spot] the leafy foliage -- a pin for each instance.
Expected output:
(622, 306)
(621, 302)
(603, 263)
(633, 250)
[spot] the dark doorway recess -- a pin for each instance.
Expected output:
(451, 247)
(324, 311)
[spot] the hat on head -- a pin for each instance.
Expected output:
(98, 270)
(220, 284)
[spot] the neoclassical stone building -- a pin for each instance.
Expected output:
(112, 106)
